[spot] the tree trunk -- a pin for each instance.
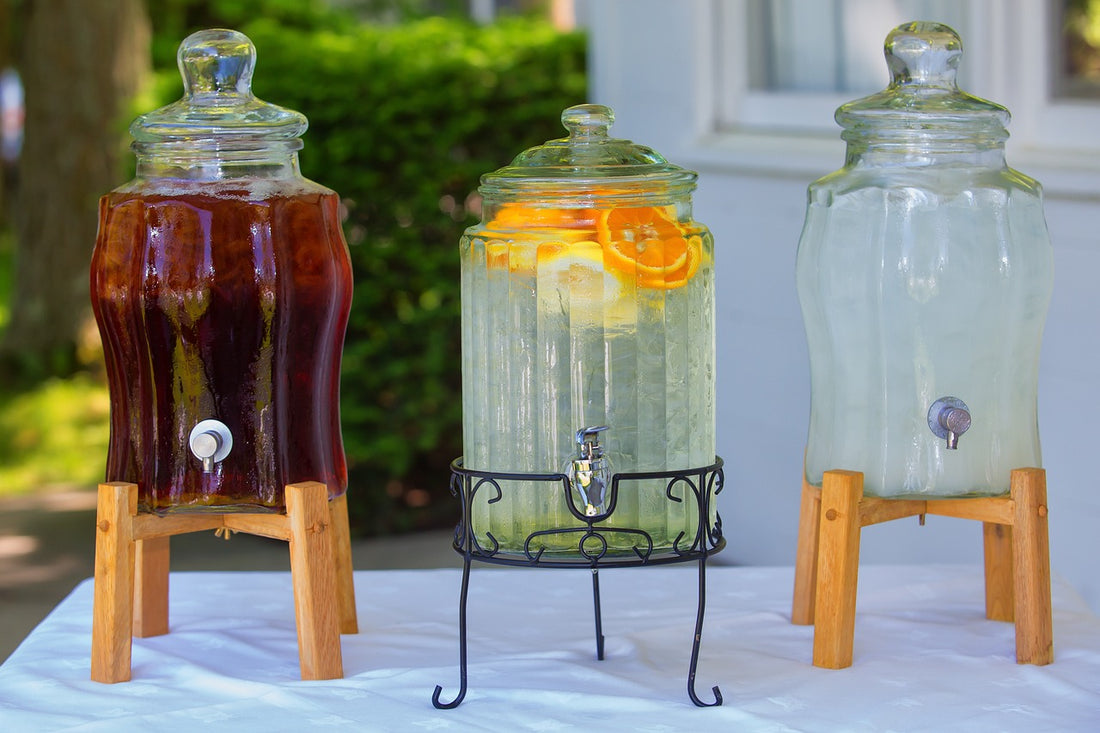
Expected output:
(6, 60)
(83, 61)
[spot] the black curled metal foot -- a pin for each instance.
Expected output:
(461, 694)
(695, 698)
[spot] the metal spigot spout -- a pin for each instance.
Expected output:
(957, 422)
(948, 418)
(210, 441)
(590, 473)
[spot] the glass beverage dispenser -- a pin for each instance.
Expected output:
(221, 285)
(924, 273)
(587, 338)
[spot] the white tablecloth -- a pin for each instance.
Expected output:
(925, 658)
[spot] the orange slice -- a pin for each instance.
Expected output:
(496, 253)
(680, 276)
(522, 216)
(576, 270)
(647, 241)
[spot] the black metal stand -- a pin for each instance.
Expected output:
(592, 549)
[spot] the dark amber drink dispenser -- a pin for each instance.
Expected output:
(221, 285)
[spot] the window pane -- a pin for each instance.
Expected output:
(833, 45)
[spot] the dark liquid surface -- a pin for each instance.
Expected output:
(227, 308)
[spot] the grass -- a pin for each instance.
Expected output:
(55, 433)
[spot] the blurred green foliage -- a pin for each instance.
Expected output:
(403, 121)
(55, 434)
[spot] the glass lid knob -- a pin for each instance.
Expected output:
(924, 53)
(217, 61)
(587, 121)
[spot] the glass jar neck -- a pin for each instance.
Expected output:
(218, 161)
(916, 148)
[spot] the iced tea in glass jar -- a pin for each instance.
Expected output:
(221, 285)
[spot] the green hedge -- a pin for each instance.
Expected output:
(403, 121)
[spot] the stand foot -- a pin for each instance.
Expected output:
(314, 576)
(999, 586)
(1031, 558)
(837, 569)
(696, 640)
(341, 558)
(599, 613)
(113, 598)
(152, 558)
(463, 595)
(805, 563)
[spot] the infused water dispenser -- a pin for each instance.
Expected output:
(588, 343)
(588, 340)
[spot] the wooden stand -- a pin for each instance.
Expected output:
(131, 573)
(1017, 559)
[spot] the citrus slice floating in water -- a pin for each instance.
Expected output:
(648, 241)
(577, 269)
(569, 224)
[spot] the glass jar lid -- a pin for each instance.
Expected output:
(588, 164)
(923, 94)
(217, 102)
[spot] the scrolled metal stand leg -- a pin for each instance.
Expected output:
(599, 619)
(461, 641)
(695, 641)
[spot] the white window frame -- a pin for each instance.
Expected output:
(1007, 58)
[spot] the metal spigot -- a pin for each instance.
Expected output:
(590, 471)
(948, 418)
(210, 442)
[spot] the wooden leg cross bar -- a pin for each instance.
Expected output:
(1015, 541)
(131, 573)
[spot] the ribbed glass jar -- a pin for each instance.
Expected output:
(924, 272)
(587, 301)
(221, 285)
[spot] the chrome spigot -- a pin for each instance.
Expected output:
(210, 442)
(590, 471)
(948, 418)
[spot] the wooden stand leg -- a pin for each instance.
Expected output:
(805, 563)
(837, 569)
(1031, 556)
(311, 565)
(997, 544)
(113, 599)
(341, 556)
(151, 587)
